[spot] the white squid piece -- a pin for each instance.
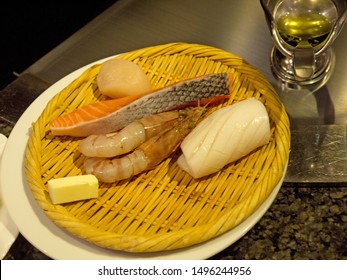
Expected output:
(224, 137)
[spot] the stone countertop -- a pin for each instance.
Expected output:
(304, 221)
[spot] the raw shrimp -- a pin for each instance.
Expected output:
(147, 155)
(130, 137)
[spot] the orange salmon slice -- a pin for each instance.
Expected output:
(111, 115)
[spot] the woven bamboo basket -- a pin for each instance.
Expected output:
(164, 208)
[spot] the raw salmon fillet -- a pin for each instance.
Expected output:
(112, 115)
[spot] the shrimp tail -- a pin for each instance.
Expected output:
(163, 145)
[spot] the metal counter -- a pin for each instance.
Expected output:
(317, 119)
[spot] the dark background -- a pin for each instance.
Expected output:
(30, 29)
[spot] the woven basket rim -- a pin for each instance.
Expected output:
(184, 237)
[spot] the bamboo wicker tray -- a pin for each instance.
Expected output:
(162, 209)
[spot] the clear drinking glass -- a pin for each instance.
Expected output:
(303, 31)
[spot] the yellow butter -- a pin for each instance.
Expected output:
(73, 188)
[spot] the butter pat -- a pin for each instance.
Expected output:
(73, 188)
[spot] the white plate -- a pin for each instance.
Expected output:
(55, 242)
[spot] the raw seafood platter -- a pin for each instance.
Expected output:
(177, 164)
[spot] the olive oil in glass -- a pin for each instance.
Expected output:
(305, 22)
(311, 28)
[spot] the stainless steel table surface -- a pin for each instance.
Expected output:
(235, 26)
(317, 169)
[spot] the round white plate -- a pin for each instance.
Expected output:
(55, 242)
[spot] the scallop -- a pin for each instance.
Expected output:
(120, 78)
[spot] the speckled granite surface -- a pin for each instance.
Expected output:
(302, 223)
(307, 222)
